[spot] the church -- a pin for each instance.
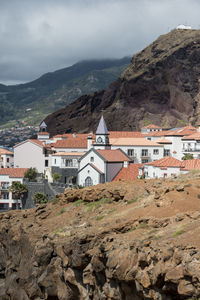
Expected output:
(101, 164)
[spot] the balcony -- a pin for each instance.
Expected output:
(145, 155)
(191, 150)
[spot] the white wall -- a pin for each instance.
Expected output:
(156, 172)
(4, 162)
(88, 171)
(27, 155)
(5, 179)
(98, 162)
(70, 149)
(138, 150)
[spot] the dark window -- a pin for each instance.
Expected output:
(8, 159)
(91, 158)
(46, 163)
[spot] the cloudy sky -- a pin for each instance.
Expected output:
(38, 36)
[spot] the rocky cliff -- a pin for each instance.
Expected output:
(118, 241)
(161, 86)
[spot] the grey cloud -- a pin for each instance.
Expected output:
(41, 36)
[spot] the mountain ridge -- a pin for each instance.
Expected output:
(160, 85)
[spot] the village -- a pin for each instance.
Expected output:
(77, 160)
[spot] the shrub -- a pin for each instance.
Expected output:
(40, 198)
(187, 156)
(63, 210)
(31, 174)
(56, 177)
(178, 232)
(78, 202)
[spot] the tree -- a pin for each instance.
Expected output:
(31, 174)
(40, 198)
(56, 177)
(187, 156)
(18, 190)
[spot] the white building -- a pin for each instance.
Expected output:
(7, 176)
(6, 158)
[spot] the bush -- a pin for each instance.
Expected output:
(40, 198)
(31, 174)
(187, 156)
(56, 177)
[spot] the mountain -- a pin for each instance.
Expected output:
(35, 100)
(160, 85)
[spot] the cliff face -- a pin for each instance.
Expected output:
(161, 85)
(118, 241)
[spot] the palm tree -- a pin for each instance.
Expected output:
(18, 190)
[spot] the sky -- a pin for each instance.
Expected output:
(40, 36)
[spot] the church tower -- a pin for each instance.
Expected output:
(102, 139)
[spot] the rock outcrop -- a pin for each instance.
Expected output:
(111, 242)
(161, 86)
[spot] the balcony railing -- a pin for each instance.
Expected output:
(190, 150)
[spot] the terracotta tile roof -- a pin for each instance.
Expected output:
(72, 135)
(68, 154)
(152, 126)
(165, 162)
(4, 151)
(164, 141)
(133, 142)
(113, 155)
(96, 168)
(187, 130)
(194, 136)
(13, 172)
(43, 133)
(129, 173)
(40, 143)
(190, 164)
(125, 134)
(156, 133)
(71, 143)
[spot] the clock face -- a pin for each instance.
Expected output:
(99, 140)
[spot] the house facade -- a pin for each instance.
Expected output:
(7, 176)
(6, 158)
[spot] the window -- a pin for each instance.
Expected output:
(144, 152)
(91, 158)
(68, 163)
(144, 161)
(46, 163)
(8, 159)
(130, 152)
(4, 206)
(155, 151)
(55, 161)
(166, 152)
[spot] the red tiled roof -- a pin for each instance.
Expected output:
(40, 143)
(187, 130)
(156, 133)
(4, 151)
(164, 141)
(165, 162)
(72, 135)
(13, 172)
(71, 143)
(129, 173)
(96, 168)
(125, 134)
(134, 142)
(152, 126)
(194, 136)
(43, 133)
(113, 155)
(191, 164)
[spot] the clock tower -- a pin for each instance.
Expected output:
(102, 139)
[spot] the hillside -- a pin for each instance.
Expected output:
(160, 85)
(118, 241)
(35, 100)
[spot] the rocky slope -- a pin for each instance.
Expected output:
(117, 241)
(161, 86)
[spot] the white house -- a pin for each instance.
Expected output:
(139, 149)
(32, 153)
(6, 158)
(101, 165)
(191, 144)
(150, 128)
(7, 176)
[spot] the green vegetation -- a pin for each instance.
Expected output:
(78, 202)
(55, 90)
(111, 211)
(18, 190)
(187, 156)
(62, 211)
(91, 206)
(56, 177)
(178, 232)
(198, 196)
(132, 229)
(40, 198)
(31, 174)
(98, 218)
